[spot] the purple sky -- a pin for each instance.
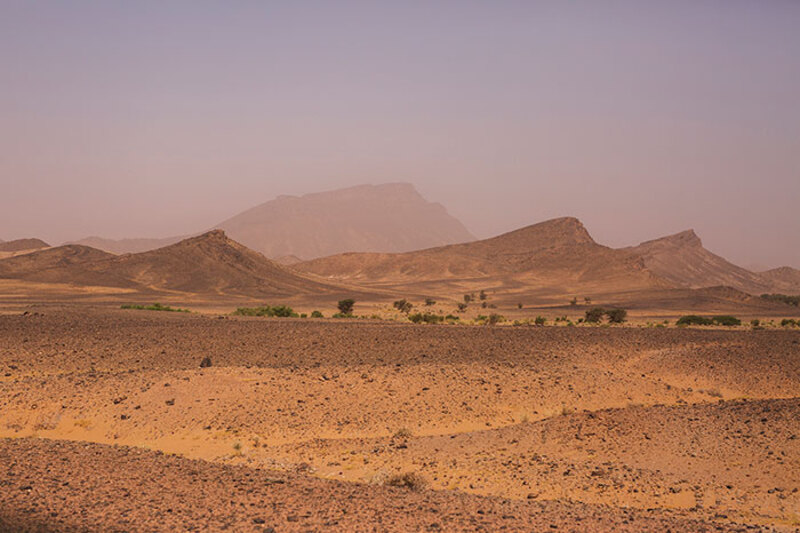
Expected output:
(641, 118)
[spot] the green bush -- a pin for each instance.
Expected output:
(427, 318)
(727, 320)
(617, 316)
(594, 315)
(540, 321)
(155, 307)
(462, 307)
(789, 322)
(694, 320)
(430, 301)
(316, 314)
(282, 311)
(346, 306)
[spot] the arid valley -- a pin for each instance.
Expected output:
(406, 266)
(243, 401)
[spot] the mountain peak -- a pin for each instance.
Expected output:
(686, 238)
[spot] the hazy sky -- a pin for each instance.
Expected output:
(641, 118)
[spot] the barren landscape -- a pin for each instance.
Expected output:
(298, 424)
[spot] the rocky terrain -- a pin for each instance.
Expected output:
(582, 428)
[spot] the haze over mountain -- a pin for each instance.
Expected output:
(210, 264)
(391, 217)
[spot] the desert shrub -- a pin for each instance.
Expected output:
(430, 301)
(573, 302)
(494, 318)
(402, 433)
(452, 318)
(155, 307)
(694, 320)
(283, 311)
(467, 298)
(343, 315)
(594, 315)
(587, 301)
(316, 314)
(404, 306)
(462, 307)
(484, 305)
(303, 315)
(410, 480)
(519, 305)
(756, 323)
(427, 318)
(783, 298)
(482, 295)
(788, 322)
(617, 316)
(727, 320)
(346, 306)
(540, 321)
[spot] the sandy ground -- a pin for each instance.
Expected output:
(582, 428)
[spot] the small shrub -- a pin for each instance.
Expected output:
(694, 320)
(727, 320)
(573, 302)
(540, 321)
(402, 433)
(594, 315)
(430, 301)
(482, 295)
(494, 318)
(617, 316)
(316, 314)
(789, 322)
(467, 298)
(404, 306)
(484, 305)
(587, 301)
(756, 324)
(519, 305)
(410, 480)
(346, 306)
(462, 307)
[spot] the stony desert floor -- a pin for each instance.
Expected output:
(109, 423)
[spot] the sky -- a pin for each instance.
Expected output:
(641, 118)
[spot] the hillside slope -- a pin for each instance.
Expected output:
(556, 256)
(210, 264)
(682, 260)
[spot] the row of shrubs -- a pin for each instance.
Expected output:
(719, 320)
(783, 298)
(155, 307)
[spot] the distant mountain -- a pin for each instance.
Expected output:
(681, 259)
(556, 256)
(22, 244)
(127, 246)
(392, 217)
(367, 218)
(210, 264)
